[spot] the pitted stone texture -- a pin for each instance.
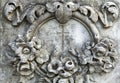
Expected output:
(63, 36)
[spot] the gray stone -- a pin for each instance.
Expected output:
(59, 41)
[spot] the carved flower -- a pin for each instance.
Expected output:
(108, 65)
(103, 47)
(100, 50)
(104, 56)
(70, 67)
(65, 67)
(25, 65)
(25, 53)
(42, 56)
(54, 66)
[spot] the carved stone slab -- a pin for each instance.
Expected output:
(59, 42)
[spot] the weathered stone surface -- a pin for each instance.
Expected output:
(59, 41)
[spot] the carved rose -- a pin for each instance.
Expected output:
(104, 55)
(100, 50)
(30, 56)
(26, 64)
(54, 66)
(65, 67)
(26, 53)
(70, 66)
(100, 57)
(103, 47)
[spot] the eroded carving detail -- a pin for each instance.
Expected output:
(110, 13)
(31, 57)
(27, 55)
(100, 57)
(12, 10)
(63, 11)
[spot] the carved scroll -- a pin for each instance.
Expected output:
(98, 56)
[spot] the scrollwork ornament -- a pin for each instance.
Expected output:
(63, 11)
(12, 10)
(32, 57)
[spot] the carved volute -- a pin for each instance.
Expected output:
(59, 41)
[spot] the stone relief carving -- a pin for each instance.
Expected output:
(31, 56)
(13, 8)
(109, 13)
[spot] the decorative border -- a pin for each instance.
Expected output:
(31, 57)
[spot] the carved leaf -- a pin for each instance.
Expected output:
(112, 8)
(12, 10)
(30, 55)
(110, 13)
(34, 13)
(90, 12)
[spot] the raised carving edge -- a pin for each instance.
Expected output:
(102, 52)
(63, 11)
